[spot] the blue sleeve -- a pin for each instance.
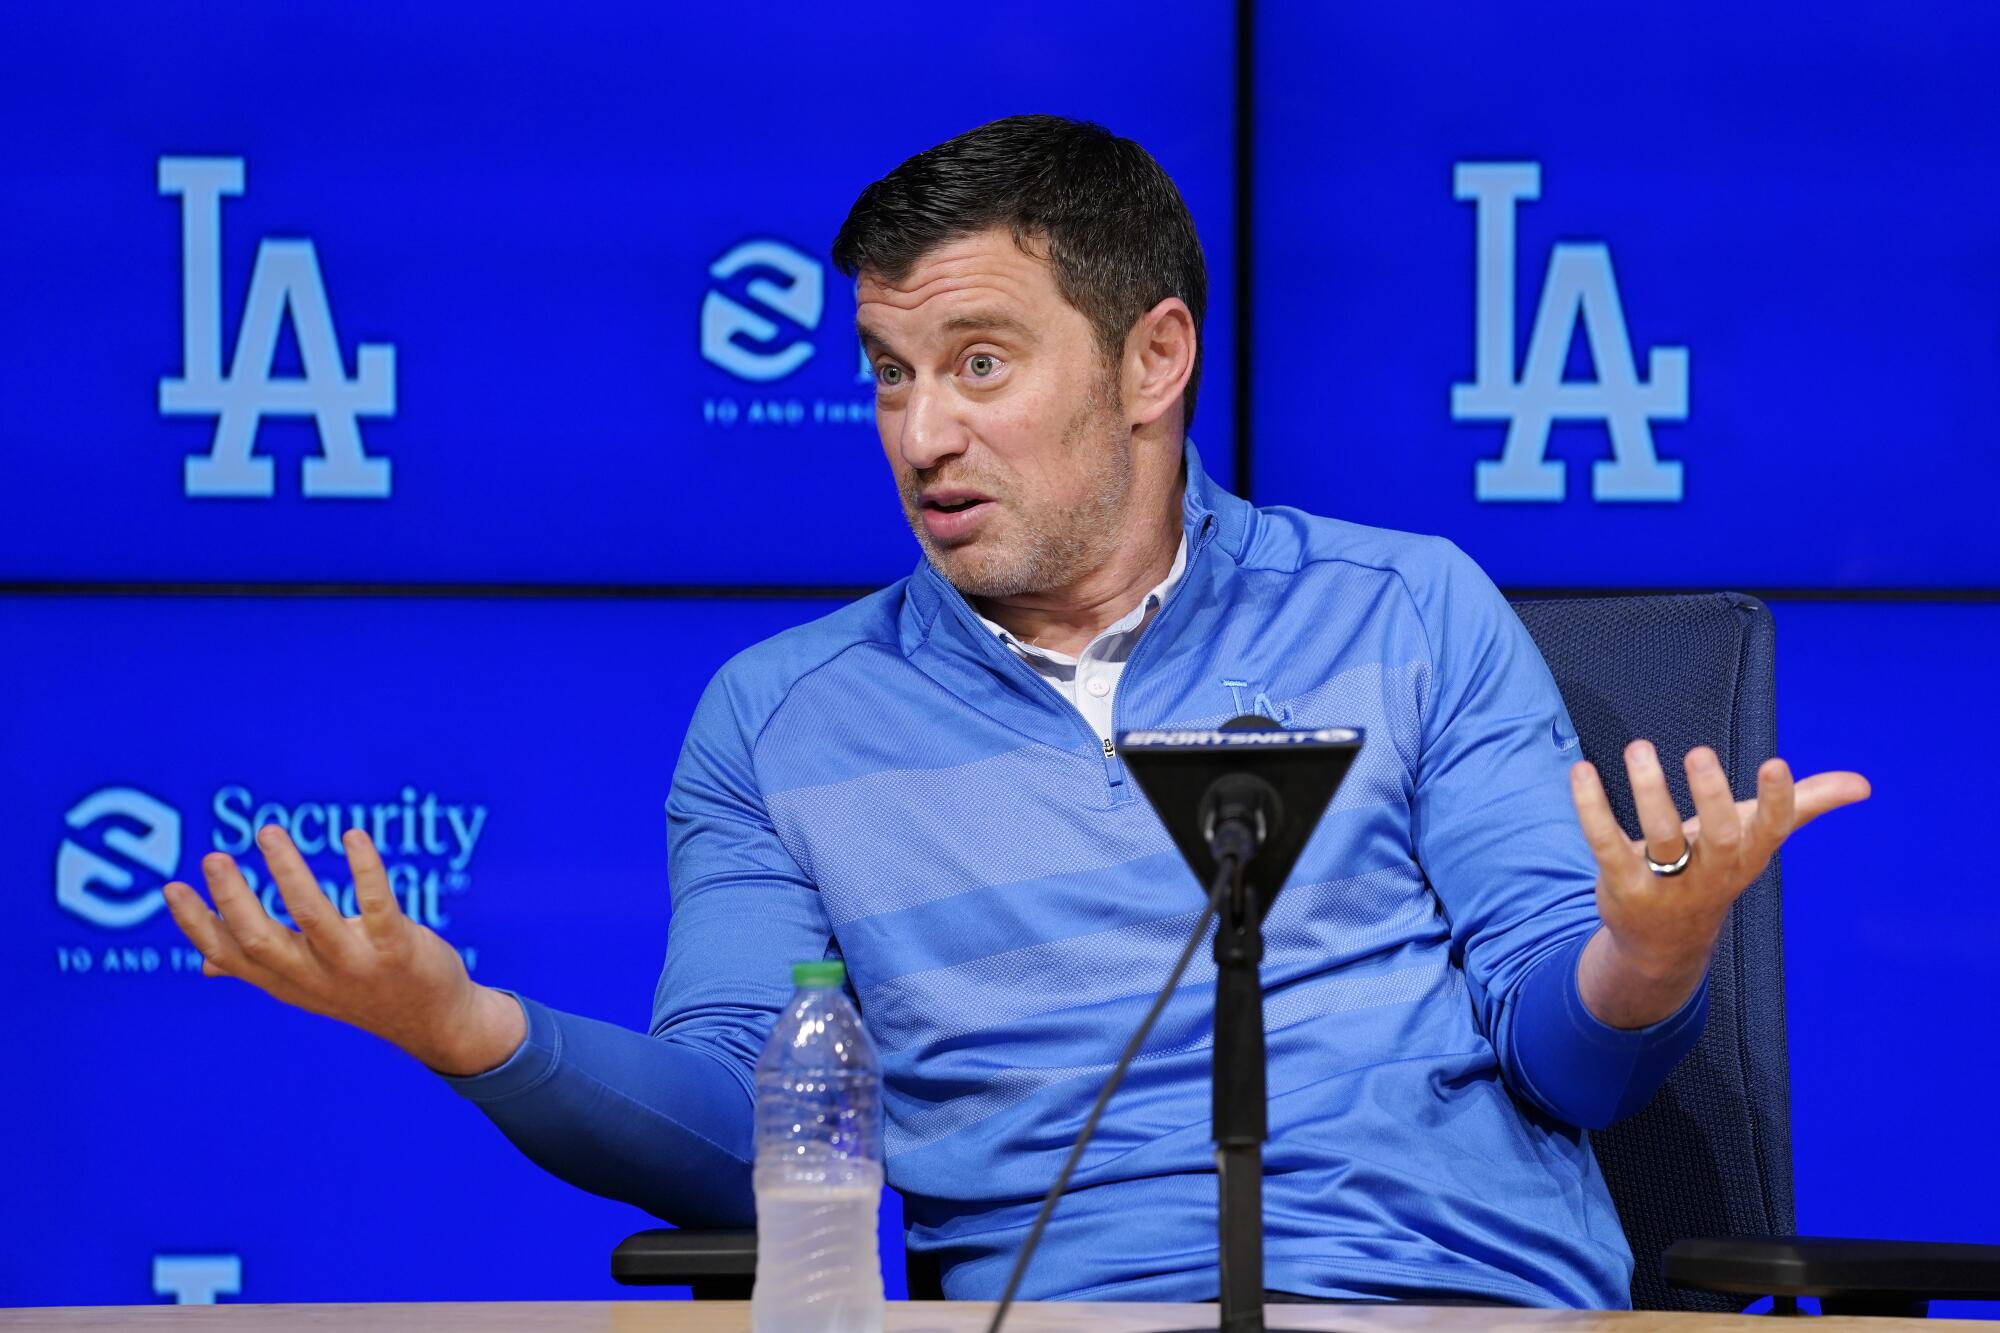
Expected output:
(663, 1119)
(1496, 833)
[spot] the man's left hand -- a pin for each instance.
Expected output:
(1659, 929)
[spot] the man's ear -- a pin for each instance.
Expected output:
(1159, 358)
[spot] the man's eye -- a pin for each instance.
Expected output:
(888, 374)
(981, 365)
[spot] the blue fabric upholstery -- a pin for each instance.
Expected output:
(1711, 1154)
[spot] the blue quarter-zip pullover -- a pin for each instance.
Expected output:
(890, 785)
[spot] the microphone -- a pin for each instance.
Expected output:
(1237, 812)
(1245, 795)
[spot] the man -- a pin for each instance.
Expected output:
(1470, 965)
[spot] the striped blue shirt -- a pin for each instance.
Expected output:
(891, 785)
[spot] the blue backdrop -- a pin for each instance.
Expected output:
(168, 1113)
(1755, 243)
(589, 254)
(589, 251)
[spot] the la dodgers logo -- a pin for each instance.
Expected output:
(286, 278)
(1579, 287)
(1260, 703)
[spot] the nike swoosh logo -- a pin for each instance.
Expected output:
(1556, 735)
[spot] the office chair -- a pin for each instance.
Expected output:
(1702, 1175)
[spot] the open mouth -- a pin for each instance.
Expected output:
(954, 516)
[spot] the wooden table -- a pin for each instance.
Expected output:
(904, 1317)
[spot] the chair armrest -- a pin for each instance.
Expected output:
(719, 1265)
(722, 1265)
(1849, 1276)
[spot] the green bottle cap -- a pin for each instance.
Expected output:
(828, 973)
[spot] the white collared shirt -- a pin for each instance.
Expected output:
(1090, 679)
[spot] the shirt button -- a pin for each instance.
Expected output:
(1098, 687)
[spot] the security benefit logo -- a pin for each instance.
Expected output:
(285, 284)
(121, 845)
(764, 324)
(1578, 289)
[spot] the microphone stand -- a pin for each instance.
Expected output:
(1211, 791)
(1238, 808)
(1238, 1112)
(1241, 800)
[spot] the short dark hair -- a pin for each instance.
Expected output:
(1118, 234)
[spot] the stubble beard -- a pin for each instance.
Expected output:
(1050, 547)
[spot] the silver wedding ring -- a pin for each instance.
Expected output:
(1673, 867)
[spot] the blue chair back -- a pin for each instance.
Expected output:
(1711, 1155)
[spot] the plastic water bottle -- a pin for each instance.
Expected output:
(819, 1165)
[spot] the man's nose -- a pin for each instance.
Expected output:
(932, 430)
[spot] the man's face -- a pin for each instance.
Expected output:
(999, 416)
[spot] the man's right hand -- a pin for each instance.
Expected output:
(379, 971)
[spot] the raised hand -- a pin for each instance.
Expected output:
(1659, 928)
(379, 971)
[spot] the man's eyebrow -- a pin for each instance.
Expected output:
(973, 321)
(989, 321)
(872, 340)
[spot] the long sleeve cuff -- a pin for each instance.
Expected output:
(532, 1061)
(1580, 1069)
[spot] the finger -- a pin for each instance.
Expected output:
(1771, 822)
(1615, 861)
(1715, 805)
(201, 926)
(1745, 811)
(380, 914)
(318, 920)
(1828, 791)
(220, 954)
(243, 919)
(1659, 822)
